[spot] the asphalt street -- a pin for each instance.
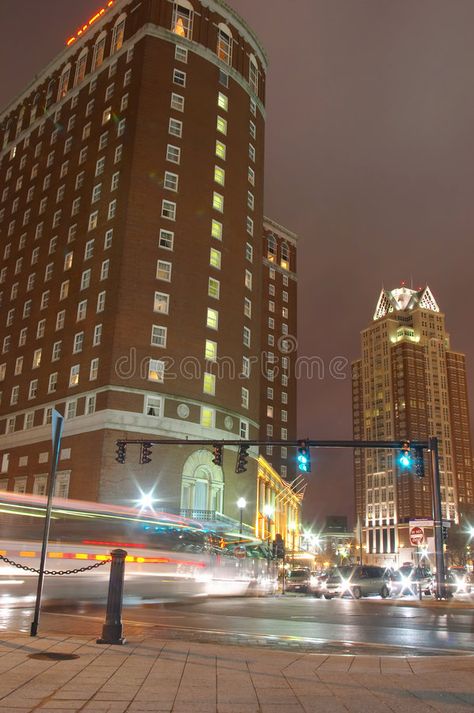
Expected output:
(343, 625)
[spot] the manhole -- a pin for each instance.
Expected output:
(52, 656)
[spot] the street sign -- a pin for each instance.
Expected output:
(421, 523)
(417, 535)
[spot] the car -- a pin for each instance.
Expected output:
(457, 581)
(318, 583)
(415, 578)
(298, 580)
(357, 581)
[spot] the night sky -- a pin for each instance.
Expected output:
(369, 159)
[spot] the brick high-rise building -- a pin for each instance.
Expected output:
(408, 384)
(131, 234)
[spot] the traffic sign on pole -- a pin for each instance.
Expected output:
(417, 535)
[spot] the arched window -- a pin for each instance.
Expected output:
(8, 132)
(253, 73)
(271, 248)
(285, 256)
(81, 66)
(34, 108)
(50, 94)
(99, 50)
(183, 15)
(202, 486)
(224, 43)
(19, 123)
(64, 82)
(118, 34)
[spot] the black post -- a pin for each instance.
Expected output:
(112, 629)
(57, 432)
(437, 518)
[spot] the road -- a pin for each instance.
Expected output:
(347, 626)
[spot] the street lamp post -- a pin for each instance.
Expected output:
(268, 512)
(241, 504)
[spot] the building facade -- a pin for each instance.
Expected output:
(131, 233)
(408, 384)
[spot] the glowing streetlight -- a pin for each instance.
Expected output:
(241, 504)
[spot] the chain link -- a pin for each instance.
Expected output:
(55, 572)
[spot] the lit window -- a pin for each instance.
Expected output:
(215, 258)
(94, 369)
(213, 288)
(216, 230)
(99, 49)
(156, 370)
(117, 35)
(218, 202)
(285, 256)
(158, 336)
(107, 115)
(246, 337)
(212, 318)
(161, 303)
(209, 384)
(93, 220)
(207, 417)
(163, 270)
(224, 44)
(219, 175)
(220, 150)
(210, 352)
(221, 125)
(182, 23)
(222, 101)
(271, 248)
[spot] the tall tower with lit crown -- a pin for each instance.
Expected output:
(408, 384)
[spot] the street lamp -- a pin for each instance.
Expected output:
(241, 504)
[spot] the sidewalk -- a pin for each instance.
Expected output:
(150, 673)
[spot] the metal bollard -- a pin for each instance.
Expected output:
(112, 629)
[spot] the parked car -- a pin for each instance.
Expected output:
(298, 580)
(395, 583)
(358, 581)
(457, 581)
(413, 578)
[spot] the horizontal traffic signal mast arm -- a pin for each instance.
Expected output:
(309, 443)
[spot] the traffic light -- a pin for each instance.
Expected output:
(304, 457)
(121, 452)
(242, 459)
(217, 454)
(405, 455)
(445, 534)
(419, 463)
(145, 454)
(278, 547)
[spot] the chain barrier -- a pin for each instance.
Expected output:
(58, 571)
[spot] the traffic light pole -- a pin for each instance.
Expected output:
(431, 445)
(437, 517)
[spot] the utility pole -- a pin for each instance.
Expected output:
(437, 517)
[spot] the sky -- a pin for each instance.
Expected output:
(369, 159)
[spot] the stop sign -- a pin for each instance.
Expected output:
(417, 535)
